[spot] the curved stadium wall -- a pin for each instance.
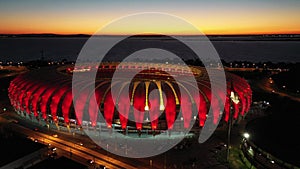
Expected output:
(46, 95)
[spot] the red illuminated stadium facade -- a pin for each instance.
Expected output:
(47, 95)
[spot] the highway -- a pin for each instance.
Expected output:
(67, 147)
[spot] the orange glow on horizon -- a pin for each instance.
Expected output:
(206, 32)
(184, 34)
(212, 18)
(214, 25)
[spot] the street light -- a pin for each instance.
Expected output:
(246, 135)
(235, 100)
(165, 160)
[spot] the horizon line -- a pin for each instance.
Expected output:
(83, 34)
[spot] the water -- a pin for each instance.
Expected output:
(26, 49)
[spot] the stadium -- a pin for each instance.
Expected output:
(155, 98)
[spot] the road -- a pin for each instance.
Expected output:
(268, 85)
(204, 153)
(68, 146)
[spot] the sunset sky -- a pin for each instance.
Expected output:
(86, 17)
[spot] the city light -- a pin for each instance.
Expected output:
(246, 135)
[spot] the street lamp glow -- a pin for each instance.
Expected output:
(246, 135)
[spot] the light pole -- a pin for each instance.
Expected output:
(165, 160)
(235, 100)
